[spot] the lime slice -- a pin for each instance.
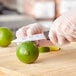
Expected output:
(54, 48)
(44, 49)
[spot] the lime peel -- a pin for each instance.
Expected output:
(44, 49)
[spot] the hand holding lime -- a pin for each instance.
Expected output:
(6, 36)
(27, 52)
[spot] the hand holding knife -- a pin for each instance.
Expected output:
(35, 37)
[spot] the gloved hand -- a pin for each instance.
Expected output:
(29, 30)
(33, 29)
(63, 29)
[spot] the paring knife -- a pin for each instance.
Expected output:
(33, 37)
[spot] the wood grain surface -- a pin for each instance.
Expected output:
(59, 63)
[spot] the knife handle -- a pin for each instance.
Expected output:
(46, 35)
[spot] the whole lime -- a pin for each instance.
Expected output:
(6, 36)
(27, 52)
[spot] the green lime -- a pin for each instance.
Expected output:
(44, 49)
(27, 52)
(6, 36)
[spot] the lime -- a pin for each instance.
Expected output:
(54, 48)
(44, 49)
(27, 52)
(5, 36)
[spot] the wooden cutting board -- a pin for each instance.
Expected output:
(60, 63)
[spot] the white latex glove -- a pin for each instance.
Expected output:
(29, 30)
(63, 29)
(33, 29)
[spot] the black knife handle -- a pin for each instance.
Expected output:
(46, 34)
